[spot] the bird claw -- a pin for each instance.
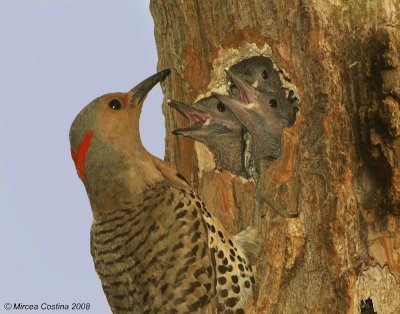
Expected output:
(282, 212)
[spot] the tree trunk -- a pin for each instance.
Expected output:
(339, 165)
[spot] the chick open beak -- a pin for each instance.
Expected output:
(247, 92)
(197, 118)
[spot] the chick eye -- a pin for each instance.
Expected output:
(115, 104)
(273, 103)
(265, 74)
(221, 107)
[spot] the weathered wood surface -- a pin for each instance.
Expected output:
(339, 167)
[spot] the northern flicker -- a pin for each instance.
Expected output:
(266, 77)
(217, 127)
(155, 245)
(265, 107)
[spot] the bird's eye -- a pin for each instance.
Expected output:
(265, 74)
(221, 107)
(273, 102)
(115, 104)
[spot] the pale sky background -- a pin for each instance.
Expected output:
(55, 57)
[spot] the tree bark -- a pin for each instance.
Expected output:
(339, 166)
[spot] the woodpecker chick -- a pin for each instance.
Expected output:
(262, 116)
(216, 126)
(155, 246)
(266, 78)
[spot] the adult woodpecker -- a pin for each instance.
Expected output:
(155, 246)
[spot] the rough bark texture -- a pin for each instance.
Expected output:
(339, 167)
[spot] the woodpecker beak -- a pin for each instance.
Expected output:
(252, 115)
(140, 91)
(197, 118)
(240, 109)
(248, 93)
(250, 100)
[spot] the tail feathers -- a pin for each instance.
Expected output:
(249, 241)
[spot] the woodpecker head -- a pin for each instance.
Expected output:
(107, 129)
(259, 74)
(260, 115)
(258, 71)
(208, 118)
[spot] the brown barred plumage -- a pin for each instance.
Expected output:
(155, 246)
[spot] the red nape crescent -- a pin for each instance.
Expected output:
(79, 155)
